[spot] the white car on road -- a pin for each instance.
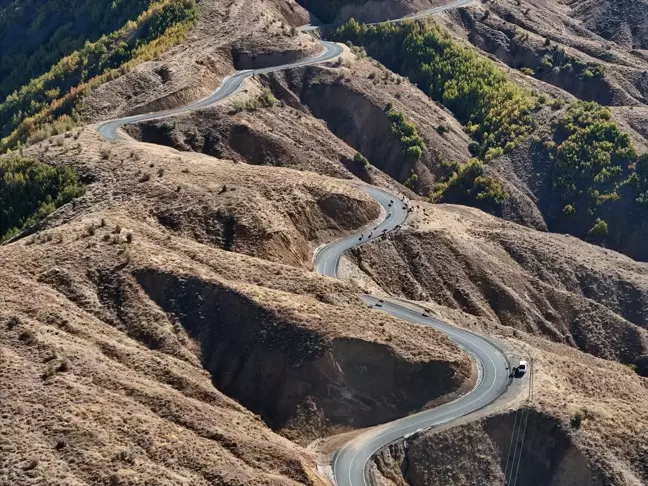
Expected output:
(522, 368)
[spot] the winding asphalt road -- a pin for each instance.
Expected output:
(109, 129)
(350, 462)
(328, 257)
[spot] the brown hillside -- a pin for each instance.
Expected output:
(132, 341)
(607, 448)
(229, 35)
(277, 136)
(167, 328)
(550, 285)
(620, 22)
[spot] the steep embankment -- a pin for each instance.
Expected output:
(90, 401)
(291, 364)
(619, 22)
(550, 285)
(482, 453)
(260, 134)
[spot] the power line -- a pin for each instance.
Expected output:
(510, 476)
(508, 479)
(517, 470)
(508, 456)
(525, 418)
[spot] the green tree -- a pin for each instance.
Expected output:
(496, 113)
(569, 210)
(407, 133)
(600, 228)
(469, 184)
(360, 160)
(592, 157)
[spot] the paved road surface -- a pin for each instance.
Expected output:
(328, 257)
(230, 85)
(349, 463)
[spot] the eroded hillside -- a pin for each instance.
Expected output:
(319, 117)
(137, 315)
(540, 159)
(550, 285)
(228, 35)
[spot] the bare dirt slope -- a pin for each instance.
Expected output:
(137, 349)
(550, 285)
(619, 22)
(279, 220)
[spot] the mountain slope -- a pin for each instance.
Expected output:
(549, 285)
(48, 103)
(167, 353)
(619, 22)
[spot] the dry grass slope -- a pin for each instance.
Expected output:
(133, 338)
